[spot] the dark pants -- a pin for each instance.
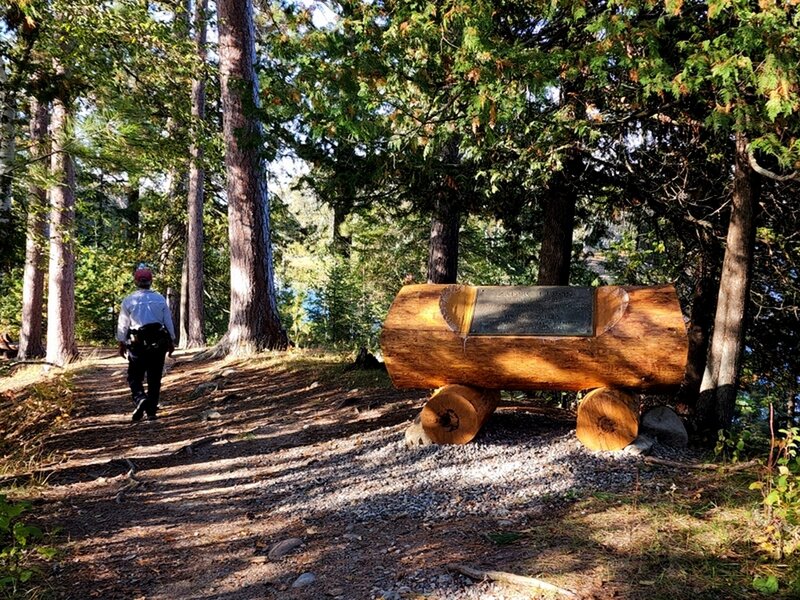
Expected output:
(149, 363)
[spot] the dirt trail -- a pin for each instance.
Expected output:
(250, 454)
(174, 508)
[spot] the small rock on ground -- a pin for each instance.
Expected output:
(304, 580)
(664, 423)
(279, 550)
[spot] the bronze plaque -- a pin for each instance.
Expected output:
(540, 310)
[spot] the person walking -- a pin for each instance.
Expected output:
(146, 335)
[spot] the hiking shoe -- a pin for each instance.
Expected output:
(139, 412)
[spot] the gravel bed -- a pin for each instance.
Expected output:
(512, 466)
(518, 465)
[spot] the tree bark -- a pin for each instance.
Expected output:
(791, 396)
(173, 298)
(443, 249)
(446, 220)
(7, 145)
(194, 248)
(341, 242)
(184, 310)
(172, 235)
(30, 333)
(61, 346)
(700, 324)
(133, 207)
(721, 376)
(512, 578)
(7, 155)
(254, 323)
(558, 224)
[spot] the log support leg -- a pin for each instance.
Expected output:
(608, 419)
(455, 413)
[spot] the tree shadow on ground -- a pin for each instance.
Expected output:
(207, 499)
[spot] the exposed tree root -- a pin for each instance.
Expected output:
(225, 347)
(188, 449)
(212, 353)
(133, 483)
(652, 460)
(503, 577)
(13, 364)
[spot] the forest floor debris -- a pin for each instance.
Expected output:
(184, 507)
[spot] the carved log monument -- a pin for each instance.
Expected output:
(457, 337)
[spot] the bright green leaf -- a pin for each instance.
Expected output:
(766, 585)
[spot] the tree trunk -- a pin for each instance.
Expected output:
(791, 396)
(7, 146)
(443, 250)
(194, 248)
(341, 242)
(61, 346)
(700, 324)
(446, 220)
(184, 311)
(558, 225)
(254, 323)
(133, 207)
(7, 155)
(30, 333)
(172, 236)
(721, 376)
(173, 298)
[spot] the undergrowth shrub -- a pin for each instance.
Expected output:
(22, 550)
(775, 520)
(732, 445)
(779, 535)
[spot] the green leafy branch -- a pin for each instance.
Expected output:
(780, 489)
(20, 548)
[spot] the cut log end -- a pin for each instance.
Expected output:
(607, 420)
(455, 413)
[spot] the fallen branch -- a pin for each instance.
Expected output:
(224, 435)
(701, 466)
(190, 448)
(502, 577)
(134, 482)
(13, 364)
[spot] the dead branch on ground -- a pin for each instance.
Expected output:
(503, 577)
(133, 483)
(652, 460)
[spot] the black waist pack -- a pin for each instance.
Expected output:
(153, 336)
